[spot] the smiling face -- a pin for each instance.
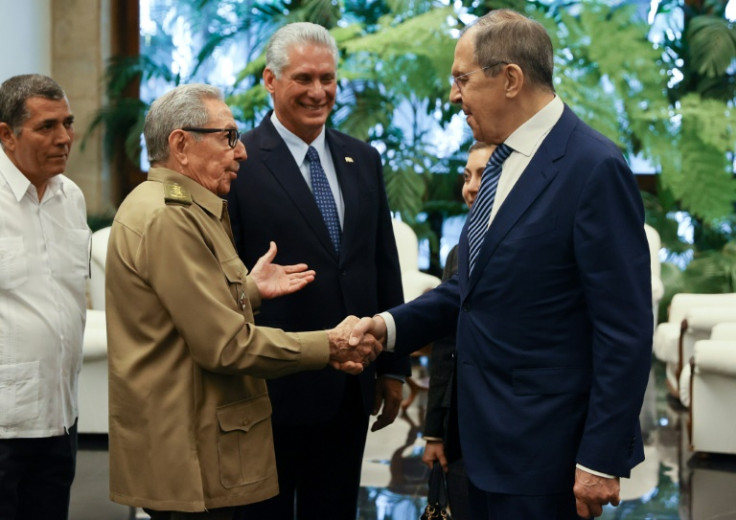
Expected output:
(208, 158)
(41, 148)
(305, 93)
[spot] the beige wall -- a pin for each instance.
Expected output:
(80, 46)
(69, 41)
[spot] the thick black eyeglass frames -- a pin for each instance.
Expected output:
(232, 133)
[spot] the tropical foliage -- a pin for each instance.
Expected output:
(666, 101)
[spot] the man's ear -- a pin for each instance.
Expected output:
(179, 146)
(268, 78)
(7, 136)
(514, 79)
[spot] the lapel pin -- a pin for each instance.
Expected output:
(348, 159)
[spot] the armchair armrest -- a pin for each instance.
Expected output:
(665, 342)
(715, 357)
(704, 319)
(94, 343)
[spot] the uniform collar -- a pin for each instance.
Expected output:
(201, 196)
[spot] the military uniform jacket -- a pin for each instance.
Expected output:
(189, 411)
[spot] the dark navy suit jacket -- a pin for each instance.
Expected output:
(271, 201)
(554, 327)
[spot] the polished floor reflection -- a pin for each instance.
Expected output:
(672, 484)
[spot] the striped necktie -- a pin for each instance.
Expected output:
(480, 214)
(324, 198)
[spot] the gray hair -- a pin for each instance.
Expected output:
(180, 107)
(503, 35)
(15, 91)
(290, 35)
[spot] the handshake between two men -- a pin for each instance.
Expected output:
(355, 343)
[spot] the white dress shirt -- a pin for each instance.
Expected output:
(298, 149)
(44, 264)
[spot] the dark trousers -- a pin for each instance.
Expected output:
(36, 476)
(495, 506)
(318, 466)
(215, 514)
(457, 490)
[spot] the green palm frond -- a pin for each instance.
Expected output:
(712, 45)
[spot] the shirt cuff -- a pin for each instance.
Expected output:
(390, 330)
(593, 472)
(433, 439)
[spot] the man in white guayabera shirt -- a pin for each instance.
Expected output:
(44, 244)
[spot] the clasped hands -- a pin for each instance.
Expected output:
(350, 352)
(354, 343)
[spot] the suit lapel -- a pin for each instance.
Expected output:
(280, 163)
(532, 183)
(346, 169)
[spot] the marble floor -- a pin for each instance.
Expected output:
(672, 484)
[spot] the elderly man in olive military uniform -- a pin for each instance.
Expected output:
(190, 431)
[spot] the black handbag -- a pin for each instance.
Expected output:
(437, 496)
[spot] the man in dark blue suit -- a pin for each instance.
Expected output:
(341, 229)
(552, 308)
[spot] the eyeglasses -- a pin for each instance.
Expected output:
(232, 133)
(459, 80)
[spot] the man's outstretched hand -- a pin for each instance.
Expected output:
(374, 326)
(348, 354)
(275, 280)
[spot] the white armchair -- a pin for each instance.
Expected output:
(93, 377)
(673, 339)
(724, 331)
(712, 396)
(413, 281)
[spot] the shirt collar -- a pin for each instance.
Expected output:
(201, 196)
(527, 138)
(19, 183)
(297, 147)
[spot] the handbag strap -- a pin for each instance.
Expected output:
(437, 494)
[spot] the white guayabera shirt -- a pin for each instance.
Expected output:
(44, 264)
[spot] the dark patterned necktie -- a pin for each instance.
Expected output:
(323, 196)
(480, 214)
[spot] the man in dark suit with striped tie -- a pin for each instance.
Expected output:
(552, 301)
(319, 194)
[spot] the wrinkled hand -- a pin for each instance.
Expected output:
(435, 451)
(374, 326)
(349, 356)
(389, 391)
(593, 492)
(275, 280)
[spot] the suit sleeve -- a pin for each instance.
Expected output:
(613, 258)
(427, 318)
(390, 291)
